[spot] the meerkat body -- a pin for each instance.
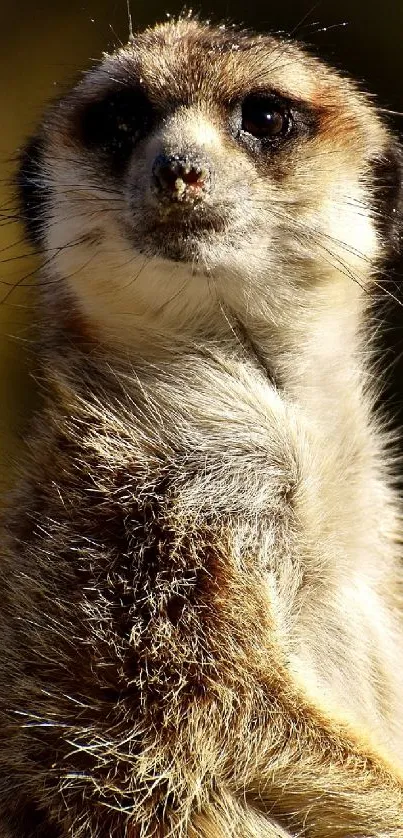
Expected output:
(201, 615)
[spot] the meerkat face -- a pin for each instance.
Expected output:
(199, 167)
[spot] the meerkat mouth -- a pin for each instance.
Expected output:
(180, 233)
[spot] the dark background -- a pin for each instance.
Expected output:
(44, 45)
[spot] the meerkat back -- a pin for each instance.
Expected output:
(201, 618)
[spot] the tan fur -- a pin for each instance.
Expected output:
(201, 568)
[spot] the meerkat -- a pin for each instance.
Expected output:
(201, 616)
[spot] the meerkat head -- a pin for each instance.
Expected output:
(199, 169)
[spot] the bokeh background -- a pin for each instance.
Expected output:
(45, 44)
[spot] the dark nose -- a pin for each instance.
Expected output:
(178, 177)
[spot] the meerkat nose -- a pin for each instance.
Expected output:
(181, 177)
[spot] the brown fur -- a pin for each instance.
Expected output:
(201, 569)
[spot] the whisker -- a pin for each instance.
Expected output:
(305, 17)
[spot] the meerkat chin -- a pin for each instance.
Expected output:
(201, 619)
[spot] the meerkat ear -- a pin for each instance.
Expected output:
(32, 191)
(388, 176)
(388, 290)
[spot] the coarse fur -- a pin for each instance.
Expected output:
(201, 620)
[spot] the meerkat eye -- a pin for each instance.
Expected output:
(116, 123)
(265, 118)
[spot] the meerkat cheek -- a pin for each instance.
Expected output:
(120, 290)
(353, 238)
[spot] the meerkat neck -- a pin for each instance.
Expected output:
(314, 354)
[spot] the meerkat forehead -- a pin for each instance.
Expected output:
(201, 167)
(186, 62)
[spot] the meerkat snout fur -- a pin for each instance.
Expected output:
(201, 618)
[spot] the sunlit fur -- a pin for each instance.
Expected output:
(201, 570)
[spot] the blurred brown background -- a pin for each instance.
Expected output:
(43, 47)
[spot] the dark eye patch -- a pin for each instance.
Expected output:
(116, 123)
